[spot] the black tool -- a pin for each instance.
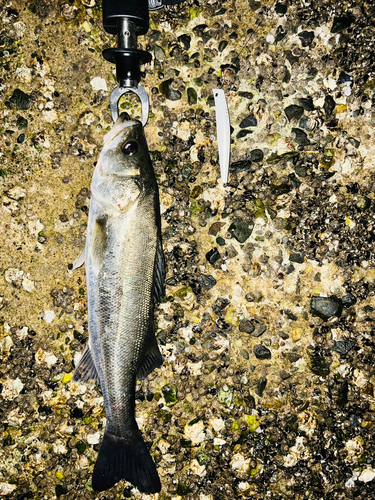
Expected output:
(128, 19)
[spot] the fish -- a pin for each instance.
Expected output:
(125, 275)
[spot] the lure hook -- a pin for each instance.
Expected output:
(118, 92)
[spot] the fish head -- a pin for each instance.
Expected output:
(125, 152)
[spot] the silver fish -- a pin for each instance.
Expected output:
(125, 277)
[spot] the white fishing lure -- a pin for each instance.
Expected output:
(223, 132)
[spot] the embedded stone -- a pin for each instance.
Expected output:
(341, 23)
(319, 366)
(294, 111)
(246, 326)
(241, 230)
(256, 155)
(192, 96)
(261, 352)
(240, 166)
(249, 121)
(20, 99)
(301, 137)
(213, 256)
(326, 307)
(329, 105)
(168, 91)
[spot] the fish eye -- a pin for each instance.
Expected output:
(130, 148)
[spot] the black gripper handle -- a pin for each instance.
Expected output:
(134, 10)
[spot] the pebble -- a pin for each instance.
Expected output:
(11, 388)
(93, 438)
(208, 281)
(298, 258)
(241, 230)
(343, 347)
(301, 137)
(261, 385)
(215, 228)
(294, 111)
(192, 96)
(20, 99)
(249, 121)
(7, 489)
(348, 300)
(168, 91)
(367, 475)
(240, 166)
(213, 255)
(326, 307)
(341, 23)
(49, 316)
(306, 38)
(98, 83)
(246, 326)
(261, 352)
(329, 105)
(309, 124)
(256, 155)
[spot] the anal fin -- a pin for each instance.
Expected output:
(159, 274)
(152, 357)
(85, 370)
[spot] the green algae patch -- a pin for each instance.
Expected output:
(252, 422)
(225, 397)
(182, 489)
(256, 470)
(182, 292)
(203, 458)
(196, 191)
(195, 208)
(290, 155)
(81, 447)
(192, 96)
(235, 426)
(186, 443)
(170, 395)
(193, 13)
(257, 208)
(362, 202)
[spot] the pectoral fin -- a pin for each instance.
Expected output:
(80, 260)
(98, 243)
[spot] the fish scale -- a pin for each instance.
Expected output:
(125, 276)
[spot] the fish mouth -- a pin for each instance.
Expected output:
(121, 124)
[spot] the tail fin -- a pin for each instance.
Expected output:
(123, 459)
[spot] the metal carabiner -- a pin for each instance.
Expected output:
(118, 92)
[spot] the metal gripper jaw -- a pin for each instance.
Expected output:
(158, 4)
